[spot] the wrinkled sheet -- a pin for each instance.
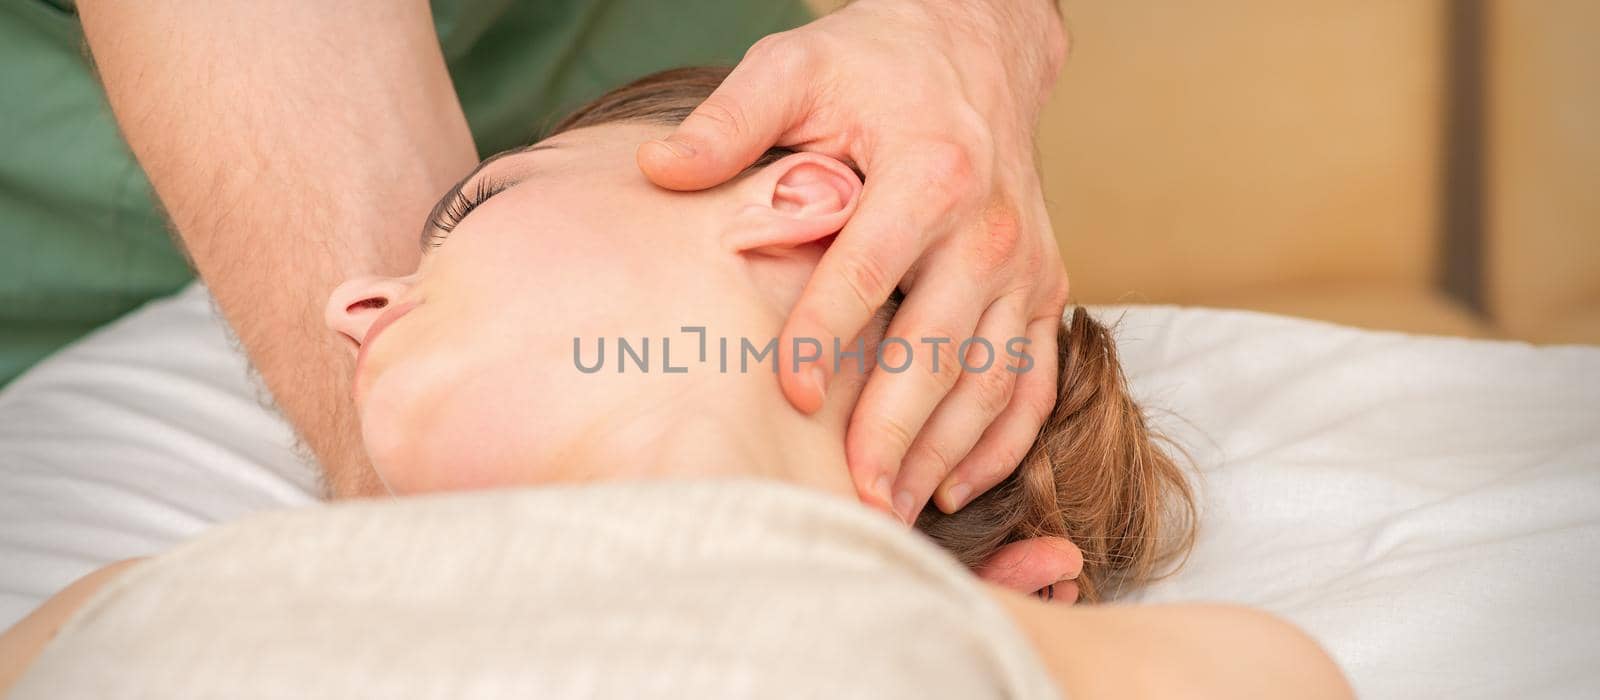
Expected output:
(1428, 508)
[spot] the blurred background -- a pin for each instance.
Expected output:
(1430, 166)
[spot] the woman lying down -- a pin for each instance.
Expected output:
(695, 536)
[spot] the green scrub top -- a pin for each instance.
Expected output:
(81, 238)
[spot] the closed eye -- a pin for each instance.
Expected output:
(467, 195)
(457, 205)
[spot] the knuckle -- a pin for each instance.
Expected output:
(1039, 404)
(1010, 455)
(948, 161)
(867, 281)
(931, 458)
(1001, 240)
(891, 431)
(782, 53)
(944, 362)
(975, 131)
(765, 47)
(724, 115)
(995, 470)
(1059, 293)
(993, 391)
(951, 173)
(1032, 263)
(1040, 257)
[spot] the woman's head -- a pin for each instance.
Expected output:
(551, 259)
(470, 376)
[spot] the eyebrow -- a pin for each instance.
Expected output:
(453, 193)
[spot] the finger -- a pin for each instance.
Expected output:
(1029, 565)
(981, 393)
(904, 205)
(747, 114)
(917, 366)
(1013, 433)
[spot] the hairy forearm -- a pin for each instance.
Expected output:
(1035, 26)
(292, 145)
(1009, 50)
(1030, 33)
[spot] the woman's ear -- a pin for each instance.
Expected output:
(802, 198)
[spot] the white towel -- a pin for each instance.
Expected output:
(697, 589)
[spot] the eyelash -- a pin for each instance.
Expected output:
(461, 204)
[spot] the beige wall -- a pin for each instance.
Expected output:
(1544, 164)
(1284, 155)
(1200, 150)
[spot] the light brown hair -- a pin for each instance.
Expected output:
(1096, 474)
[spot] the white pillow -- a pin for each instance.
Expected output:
(139, 436)
(1428, 508)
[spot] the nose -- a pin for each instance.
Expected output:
(354, 305)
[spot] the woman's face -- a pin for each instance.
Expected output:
(466, 374)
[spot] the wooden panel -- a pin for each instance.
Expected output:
(1196, 148)
(1544, 164)
(1282, 156)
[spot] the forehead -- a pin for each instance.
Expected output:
(606, 145)
(564, 162)
(581, 169)
(582, 163)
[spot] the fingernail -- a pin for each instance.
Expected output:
(904, 502)
(880, 488)
(678, 148)
(958, 495)
(820, 381)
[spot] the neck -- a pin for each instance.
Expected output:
(727, 426)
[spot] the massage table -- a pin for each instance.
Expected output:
(1427, 508)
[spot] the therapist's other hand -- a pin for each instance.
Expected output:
(936, 102)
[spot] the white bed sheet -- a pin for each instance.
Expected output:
(1428, 508)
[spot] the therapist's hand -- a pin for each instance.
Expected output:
(936, 102)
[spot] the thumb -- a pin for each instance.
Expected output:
(727, 132)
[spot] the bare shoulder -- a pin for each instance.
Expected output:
(1222, 651)
(23, 642)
